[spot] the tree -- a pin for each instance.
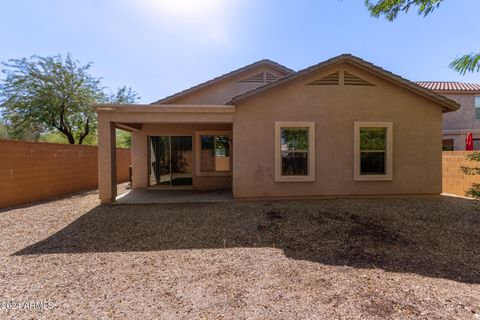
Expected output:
(3, 131)
(391, 8)
(54, 94)
(8, 131)
(124, 138)
(474, 190)
(123, 95)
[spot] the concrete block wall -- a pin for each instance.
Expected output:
(454, 181)
(31, 171)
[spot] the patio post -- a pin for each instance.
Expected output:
(139, 160)
(107, 177)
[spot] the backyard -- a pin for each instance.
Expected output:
(335, 258)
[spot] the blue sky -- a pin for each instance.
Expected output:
(159, 47)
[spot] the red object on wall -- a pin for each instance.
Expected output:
(469, 142)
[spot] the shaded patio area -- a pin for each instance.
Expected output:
(151, 196)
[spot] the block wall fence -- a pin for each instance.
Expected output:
(454, 181)
(32, 171)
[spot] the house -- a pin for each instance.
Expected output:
(341, 127)
(456, 125)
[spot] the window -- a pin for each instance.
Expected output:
(294, 146)
(373, 151)
(213, 156)
(294, 151)
(477, 107)
(447, 145)
(215, 153)
(476, 144)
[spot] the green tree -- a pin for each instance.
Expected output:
(391, 8)
(3, 130)
(8, 131)
(123, 95)
(124, 139)
(474, 190)
(54, 94)
(58, 137)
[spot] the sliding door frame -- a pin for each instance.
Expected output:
(149, 165)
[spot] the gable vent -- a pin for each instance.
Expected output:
(262, 77)
(270, 77)
(330, 80)
(352, 80)
(258, 78)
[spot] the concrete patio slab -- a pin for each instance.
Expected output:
(148, 196)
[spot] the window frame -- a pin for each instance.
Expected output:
(475, 139)
(310, 177)
(448, 139)
(476, 107)
(198, 149)
(388, 152)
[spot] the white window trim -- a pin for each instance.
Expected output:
(311, 151)
(389, 152)
(198, 150)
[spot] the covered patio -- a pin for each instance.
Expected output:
(174, 149)
(162, 196)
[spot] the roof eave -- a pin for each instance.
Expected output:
(141, 108)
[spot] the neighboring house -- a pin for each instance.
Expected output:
(341, 127)
(456, 125)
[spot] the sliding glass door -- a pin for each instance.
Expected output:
(171, 160)
(181, 155)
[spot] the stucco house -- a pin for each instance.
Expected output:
(341, 127)
(456, 125)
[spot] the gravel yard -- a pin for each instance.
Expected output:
(319, 259)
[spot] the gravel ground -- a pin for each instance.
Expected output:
(318, 259)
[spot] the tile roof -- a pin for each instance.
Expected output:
(449, 105)
(449, 86)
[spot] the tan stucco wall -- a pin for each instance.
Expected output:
(140, 159)
(417, 125)
(226, 89)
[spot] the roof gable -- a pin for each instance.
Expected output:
(261, 78)
(447, 104)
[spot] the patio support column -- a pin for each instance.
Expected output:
(139, 160)
(107, 168)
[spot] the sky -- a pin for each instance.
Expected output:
(160, 47)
